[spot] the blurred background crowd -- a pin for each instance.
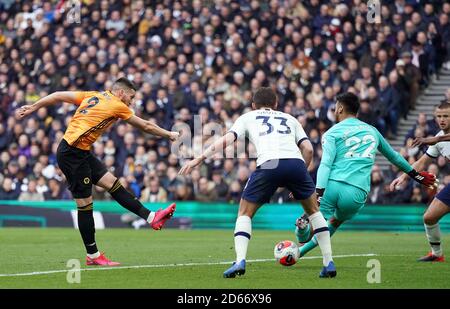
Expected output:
(204, 59)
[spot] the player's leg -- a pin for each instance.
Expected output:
(304, 232)
(242, 235)
(258, 190)
(311, 243)
(73, 164)
(106, 180)
(111, 183)
(438, 208)
(86, 225)
(327, 208)
(321, 234)
(350, 201)
(300, 183)
(341, 203)
(243, 228)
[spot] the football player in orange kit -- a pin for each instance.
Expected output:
(96, 112)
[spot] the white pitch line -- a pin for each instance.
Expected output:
(35, 273)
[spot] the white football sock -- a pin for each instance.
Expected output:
(151, 216)
(242, 234)
(322, 234)
(434, 238)
(93, 256)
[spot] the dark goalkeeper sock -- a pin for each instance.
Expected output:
(128, 201)
(87, 228)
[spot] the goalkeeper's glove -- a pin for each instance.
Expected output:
(424, 178)
(319, 192)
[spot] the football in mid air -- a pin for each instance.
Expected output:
(286, 252)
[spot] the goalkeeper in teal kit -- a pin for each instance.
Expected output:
(343, 178)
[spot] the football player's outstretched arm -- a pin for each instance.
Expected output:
(432, 140)
(418, 165)
(151, 128)
(393, 156)
(219, 144)
(424, 178)
(51, 99)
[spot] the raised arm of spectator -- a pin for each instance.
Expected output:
(152, 128)
(56, 97)
(220, 144)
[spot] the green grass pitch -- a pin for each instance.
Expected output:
(198, 254)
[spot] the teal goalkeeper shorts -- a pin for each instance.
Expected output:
(342, 201)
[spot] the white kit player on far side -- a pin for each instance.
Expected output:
(440, 206)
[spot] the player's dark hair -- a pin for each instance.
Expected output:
(265, 97)
(124, 83)
(444, 104)
(350, 102)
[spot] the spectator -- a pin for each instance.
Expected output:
(234, 196)
(31, 193)
(391, 104)
(420, 59)
(365, 113)
(400, 90)
(417, 196)
(183, 193)
(412, 75)
(379, 110)
(376, 195)
(220, 186)
(56, 191)
(153, 192)
(5, 137)
(189, 58)
(9, 190)
(429, 127)
(206, 191)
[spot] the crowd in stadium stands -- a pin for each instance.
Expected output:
(206, 58)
